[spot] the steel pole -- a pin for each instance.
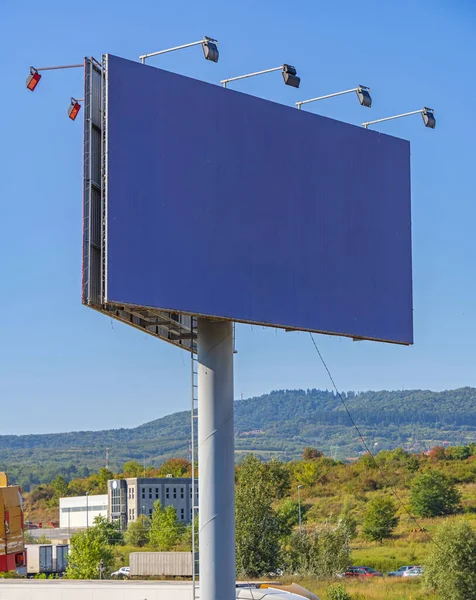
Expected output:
(216, 460)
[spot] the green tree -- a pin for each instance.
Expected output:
(165, 529)
(450, 567)
(257, 525)
(380, 519)
(87, 549)
(308, 472)
(177, 467)
(111, 530)
(459, 452)
(137, 533)
(434, 495)
(60, 486)
(322, 554)
(97, 483)
(347, 520)
(278, 476)
(132, 468)
(288, 516)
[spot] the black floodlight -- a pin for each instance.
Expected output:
(290, 76)
(363, 94)
(210, 49)
(428, 116)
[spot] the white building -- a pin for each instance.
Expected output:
(80, 511)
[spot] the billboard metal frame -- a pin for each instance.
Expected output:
(170, 326)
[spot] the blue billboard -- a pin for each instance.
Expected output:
(225, 205)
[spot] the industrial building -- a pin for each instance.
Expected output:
(80, 511)
(131, 497)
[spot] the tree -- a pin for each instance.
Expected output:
(347, 521)
(137, 533)
(87, 549)
(111, 530)
(434, 495)
(165, 529)
(450, 567)
(98, 482)
(310, 453)
(288, 516)
(60, 486)
(459, 452)
(177, 467)
(257, 525)
(322, 554)
(307, 473)
(278, 476)
(132, 468)
(380, 519)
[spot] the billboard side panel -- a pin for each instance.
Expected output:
(226, 205)
(92, 153)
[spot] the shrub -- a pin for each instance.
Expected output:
(434, 495)
(450, 568)
(337, 592)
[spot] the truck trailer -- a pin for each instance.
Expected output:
(12, 543)
(46, 558)
(160, 564)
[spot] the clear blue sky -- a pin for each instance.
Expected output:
(65, 367)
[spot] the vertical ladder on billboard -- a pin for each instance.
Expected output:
(193, 429)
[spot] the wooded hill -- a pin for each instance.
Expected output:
(279, 424)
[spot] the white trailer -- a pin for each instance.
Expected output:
(46, 558)
(156, 564)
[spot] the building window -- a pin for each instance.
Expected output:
(191, 491)
(156, 493)
(143, 493)
(133, 514)
(175, 492)
(182, 515)
(191, 513)
(130, 497)
(150, 512)
(167, 493)
(181, 493)
(132, 493)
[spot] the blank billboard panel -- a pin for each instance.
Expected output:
(225, 205)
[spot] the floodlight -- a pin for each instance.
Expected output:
(428, 116)
(363, 94)
(362, 91)
(32, 79)
(210, 49)
(74, 109)
(289, 75)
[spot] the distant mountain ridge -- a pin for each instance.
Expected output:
(280, 424)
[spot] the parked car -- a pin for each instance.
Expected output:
(122, 572)
(361, 572)
(400, 571)
(414, 572)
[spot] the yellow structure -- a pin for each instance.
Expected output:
(12, 544)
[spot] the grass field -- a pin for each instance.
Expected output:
(375, 589)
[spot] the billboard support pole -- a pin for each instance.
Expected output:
(216, 460)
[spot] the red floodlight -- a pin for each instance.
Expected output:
(32, 79)
(74, 109)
